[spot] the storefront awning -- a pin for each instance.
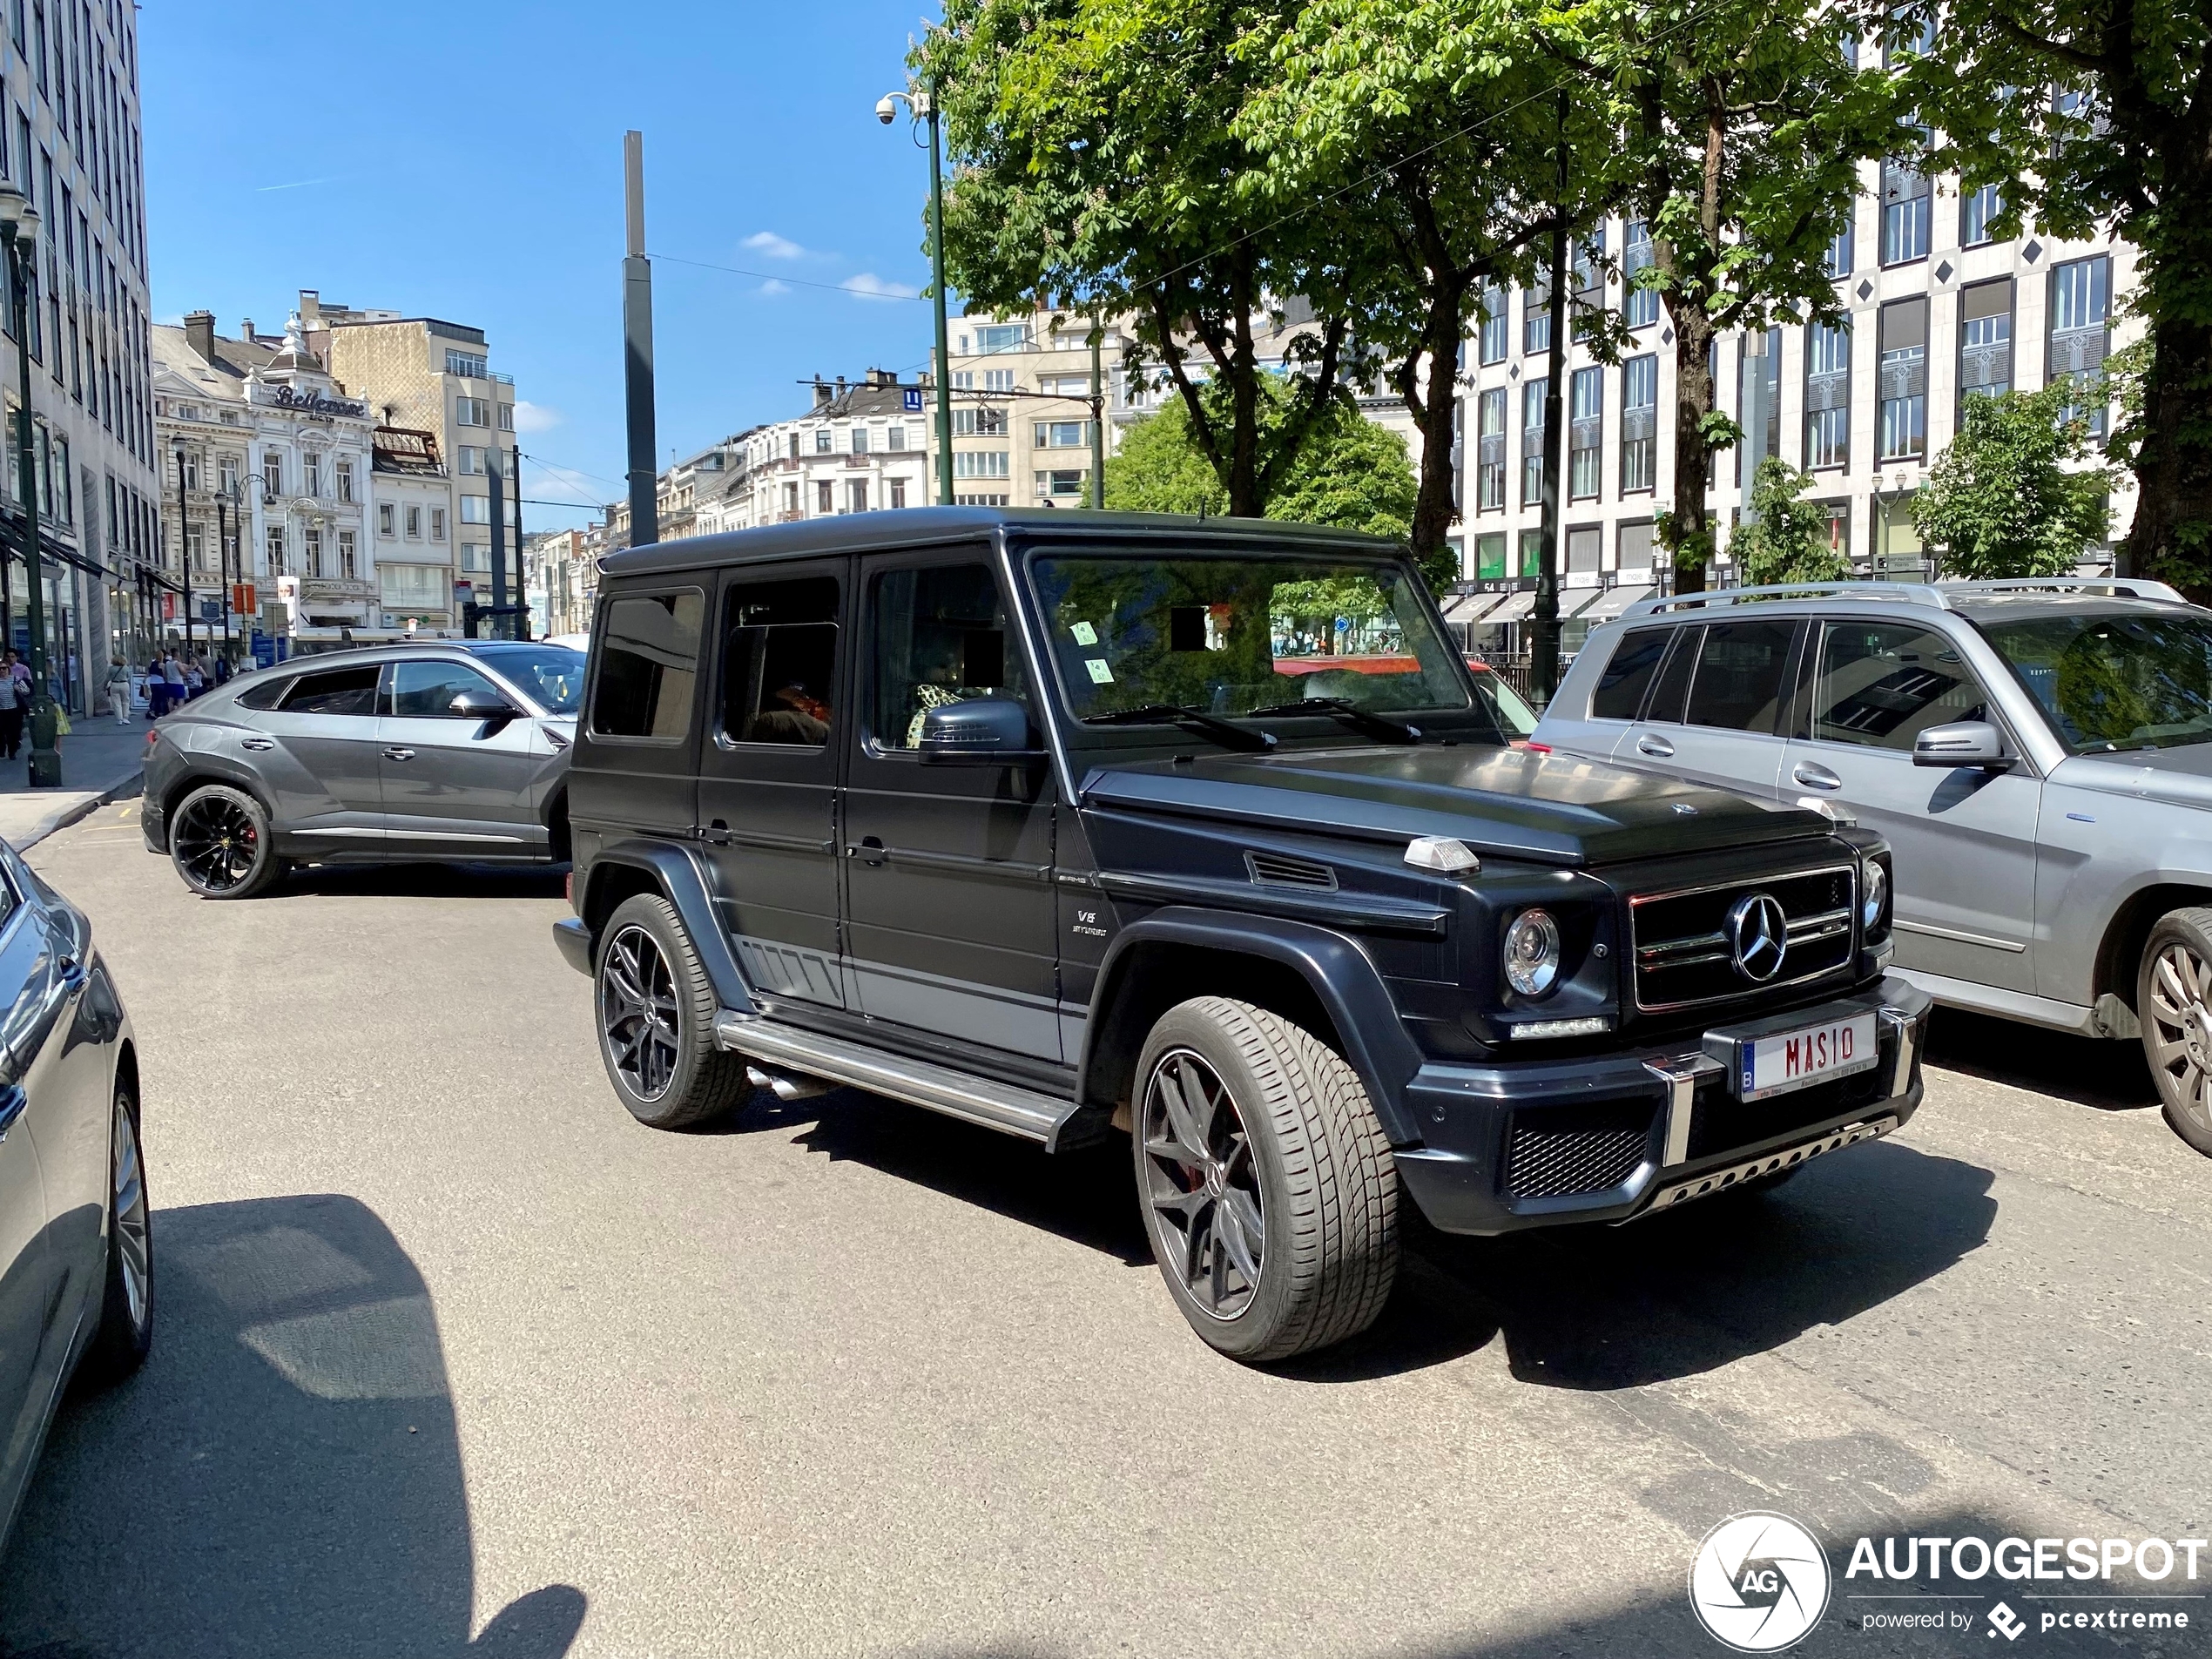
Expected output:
(1516, 608)
(1464, 608)
(1611, 603)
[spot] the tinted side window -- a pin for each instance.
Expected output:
(1627, 674)
(1673, 690)
(267, 694)
(779, 661)
(648, 662)
(1881, 684)
(940, 638)
(1739, 682)
(340, 690)
(425, 690)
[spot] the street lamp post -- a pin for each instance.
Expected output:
(228, 498)
(19, 231)
(184, 544)
(924, 107)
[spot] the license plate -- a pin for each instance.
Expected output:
(1813, 1054)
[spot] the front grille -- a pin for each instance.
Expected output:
(1558, 1155)
(1685, 956)
(1282, 870)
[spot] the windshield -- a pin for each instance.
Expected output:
(551, 674)
(1228, 636)
(2115, 682)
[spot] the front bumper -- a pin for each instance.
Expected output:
(1609, 1138)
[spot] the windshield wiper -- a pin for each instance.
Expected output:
(1375, 725)
(1231, 737)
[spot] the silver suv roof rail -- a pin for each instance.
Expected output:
(2123, 587)
(1901, 592)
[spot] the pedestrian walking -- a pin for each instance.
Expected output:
(173, 674)
(14, 700)
(195, 678)
(157, 689)
(119, 690)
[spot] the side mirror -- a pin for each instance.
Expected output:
(981, 729)
(1965, 743)
(483, 705)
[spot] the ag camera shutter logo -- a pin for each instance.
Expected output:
(1759, 1582)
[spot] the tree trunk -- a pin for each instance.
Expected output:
(1436, 410)
(2171, 540)
(1691, 531)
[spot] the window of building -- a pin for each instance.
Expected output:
(992, 338)
(412, 587)
(649, 655)
(1536, 315)
(980, 421)
(1585, 433)
(311, 473)
(1985, 339)
(466, 365)
(413, 522)
(791, 501)
(1836, 517)
(982, 464)
(386, 514)
(437, 523)
(998, 380)
(1490, 451)
(1639, 306)
(1495, 304)
(824, 497)
(894, 438)
(1827, 395)
(1638, 548)
(471, 411)
(476, 558)
(860, 440)
(227, 475)
(824, 441)
(1639, 423)
(348, 556)
(1490, 556)
(475, 509)
(1060, 435)
(2080, 316)
(472, 459)
(794, 446)
(1843, 252)
(1585, 547)
(507, 417)
(272, 472)
(1976, 209)
(898, 489)
(1903, 423)
(311, 552)
(345, 470)
(856, 495)
(277, 555)
(1062, 485)
(1531, 552)
(1533, 393)
(779, 661)
(1905, 212)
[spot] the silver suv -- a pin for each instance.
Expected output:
(2038, 752)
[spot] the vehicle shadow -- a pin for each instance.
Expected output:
(422, 881)
(283, 1477)
(2091, 1071)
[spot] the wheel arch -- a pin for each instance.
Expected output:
(199, 776)
(627, 868)
(1308, 974)
(2121, 950)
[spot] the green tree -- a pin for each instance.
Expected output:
(1786, 540)
(2091, 114)
(1096, 158)
(2001, 502)
(1744, 123)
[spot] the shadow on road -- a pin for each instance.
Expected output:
(284, 1478)
(2091, 1071)
(423, 881)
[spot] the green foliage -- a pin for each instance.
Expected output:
(1787, 541)
(2000, 503)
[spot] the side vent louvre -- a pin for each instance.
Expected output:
(1279, 870)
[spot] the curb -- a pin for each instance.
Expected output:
(121, 789)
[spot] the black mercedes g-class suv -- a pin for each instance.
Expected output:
(1067, 823)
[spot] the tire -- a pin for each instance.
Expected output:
(1289, 1133)
(2173, 1002)
(655, 1009)
(124, 1335)
(220, 846)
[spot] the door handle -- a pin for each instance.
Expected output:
(716, 834)
(257, 742)
(1655, 745)
(73, 973)
(399, 754)
(868, 850)
(13, 1103)
(1813, 777)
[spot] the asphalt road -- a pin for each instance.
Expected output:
(453, 1358)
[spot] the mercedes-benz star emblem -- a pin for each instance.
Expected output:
(1758, 932)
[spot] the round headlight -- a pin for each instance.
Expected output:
(1532, 953)
(1877, 893)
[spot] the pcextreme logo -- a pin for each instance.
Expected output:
(1758, 1582)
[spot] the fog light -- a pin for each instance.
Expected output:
(1878, 894)
(1532, 953)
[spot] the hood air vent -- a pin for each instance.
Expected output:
(1279, 870)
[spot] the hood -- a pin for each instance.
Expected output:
(2180, 777)
(1554, 809)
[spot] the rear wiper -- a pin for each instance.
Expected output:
(1231, 737)
(1375, 725)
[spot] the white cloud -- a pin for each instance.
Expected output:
(567, 480)
(535, 417)
(868, 285)
(774, 287)
(774, 246)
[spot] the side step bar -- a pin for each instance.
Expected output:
(1001, 1106)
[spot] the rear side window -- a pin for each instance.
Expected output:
(340, 690)
(1627, 676)
(648, 662)
(779, 661)
(265, 694)
(1739, 681)
(1673, 690)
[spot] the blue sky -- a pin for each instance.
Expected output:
(344, 157)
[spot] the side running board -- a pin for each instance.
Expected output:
(1001, 1106)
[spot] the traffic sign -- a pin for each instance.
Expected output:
(911, 398)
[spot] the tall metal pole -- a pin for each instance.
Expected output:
(1543, 665)
(184, 546)
(494, 464)
(1097, 414)
(45, 758)
(937, 289)
(223, 564)
(521, 630)
(637, 347)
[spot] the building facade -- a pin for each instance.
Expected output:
(411, 504)
(858, 449)
(1021, 408)
(70, 143)
(564, 571)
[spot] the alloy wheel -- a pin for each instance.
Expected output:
(2181, 1016)
(1203, 1185)
(133, 1231)
(637, 1012)
(217, 843)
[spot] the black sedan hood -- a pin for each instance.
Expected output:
(1554, 809)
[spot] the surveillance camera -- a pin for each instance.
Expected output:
(887, 108)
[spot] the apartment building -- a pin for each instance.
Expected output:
(412, 505)
(563, 570)
(1938, 310)
(1021, 408)
(423, 375)
(70, 143)
(861, 447)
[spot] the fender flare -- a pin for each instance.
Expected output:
(1340, 974)
(687, 881)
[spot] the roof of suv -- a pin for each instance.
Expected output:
(919, 526)
(1981, 602)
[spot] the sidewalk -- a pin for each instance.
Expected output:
(100, 761)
